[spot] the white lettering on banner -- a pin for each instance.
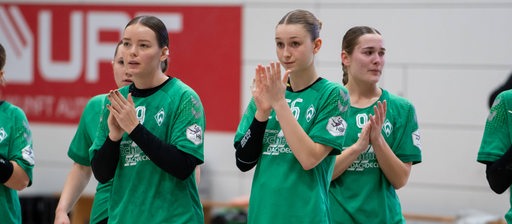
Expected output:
(41, 105)
(56, 70)
(71, 70)
(70, 107)
(15, 48)
(102, 51)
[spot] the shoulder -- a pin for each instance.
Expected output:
(503, 101)
(98, 99)
(176, 86)
(505, 95)
(12, 110)
(331, 87)
(396, 100)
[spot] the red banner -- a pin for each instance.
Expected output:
(58, 56)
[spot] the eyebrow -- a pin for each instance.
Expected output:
(372, 48)
(129, 39)
(294, 37)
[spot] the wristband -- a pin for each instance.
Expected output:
(6, 170)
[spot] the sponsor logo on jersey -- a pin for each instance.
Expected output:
(336, 126)
(365, 160)
(276, 143)
(132, 153)
(28, 154)
(159, 117)
(3, 134)
(195, 134)
(416, 139)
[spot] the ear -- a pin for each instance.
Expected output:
(345, 58)
(317, 44)
(164, 54)
(2, 80)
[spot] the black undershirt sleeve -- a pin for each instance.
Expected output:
(248, 150)
(104, 162)
(168, 157)
(499, 173)
(6, 170)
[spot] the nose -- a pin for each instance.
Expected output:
(286, 52)
(377, 59)
(132, 51)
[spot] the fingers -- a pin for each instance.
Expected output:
(275, 69)
(258, 79)
(130, 99)
(285, 77)
(117, 101)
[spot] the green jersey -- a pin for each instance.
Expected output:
(79, 152)
(141, 191)
(497, 137)
(363, 194)
(282, 191)
(15, 145)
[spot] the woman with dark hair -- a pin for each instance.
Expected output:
(150, 138)
(383, 142)
(16, 155)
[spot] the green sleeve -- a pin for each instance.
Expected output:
(187, 132)
(22, 152)
(496, 137)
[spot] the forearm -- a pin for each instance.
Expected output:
(308, 153)
(345, 159)
(168, 157)
(19, 179)
(248, 150)
(396, 171)
(499, 172)
(77, 180)
(104, 161)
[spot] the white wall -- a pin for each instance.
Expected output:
(445, 56)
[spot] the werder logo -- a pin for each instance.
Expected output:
(310, 113)
(3, 134)
(387, 127)
(159, 117)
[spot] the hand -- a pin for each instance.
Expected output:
(115, 131)
(364, 138)
(123, 110)
(262, 108)
(61, 218)
(377, 121)
(274, 86)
